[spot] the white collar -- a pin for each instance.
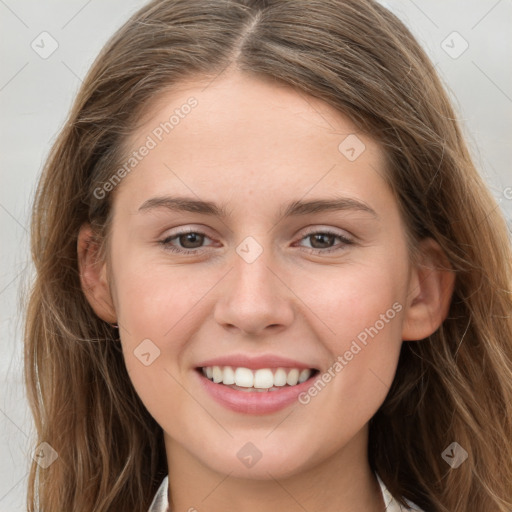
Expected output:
(389, 501)
(160, 502)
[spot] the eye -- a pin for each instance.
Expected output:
(321, 241)
(191, 241)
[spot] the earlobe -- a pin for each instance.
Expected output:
(430, 292)
(93, 275)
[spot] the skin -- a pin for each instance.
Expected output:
(254, 146)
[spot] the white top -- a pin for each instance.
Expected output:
(161, 503)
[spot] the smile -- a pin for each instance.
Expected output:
(262, 379)
(255, 391)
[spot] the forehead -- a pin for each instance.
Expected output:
(240, 132)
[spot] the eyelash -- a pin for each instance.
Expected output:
(168, 247)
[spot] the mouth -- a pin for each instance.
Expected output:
(261, 380)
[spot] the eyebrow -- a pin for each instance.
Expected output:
(294, 208)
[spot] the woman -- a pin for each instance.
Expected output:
(261, 369)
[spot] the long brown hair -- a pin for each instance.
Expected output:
(455, 386)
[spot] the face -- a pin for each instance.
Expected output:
(258, 232)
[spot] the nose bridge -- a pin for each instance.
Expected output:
(253, 278)
(253, 297)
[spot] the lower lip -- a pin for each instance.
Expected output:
(254, 402)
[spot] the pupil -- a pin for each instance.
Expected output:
(190, 237)
(330, 237)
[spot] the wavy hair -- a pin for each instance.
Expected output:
(454, 386)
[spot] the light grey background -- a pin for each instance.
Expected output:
(36, 94)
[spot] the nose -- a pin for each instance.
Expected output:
(255, 298)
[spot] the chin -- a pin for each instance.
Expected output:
(273, 466)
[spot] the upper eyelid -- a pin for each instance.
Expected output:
(312, 230)
(184, 231)
(320, 229)
(309, 230)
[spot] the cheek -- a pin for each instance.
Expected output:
(155, 299)
(351, 300)
(157, 307)
(363, 309)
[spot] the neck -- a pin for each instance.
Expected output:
(341, 482)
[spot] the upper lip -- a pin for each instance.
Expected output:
(254, 362)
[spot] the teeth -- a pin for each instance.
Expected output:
(228, 376)
(304, 375)
(217, 374)
(280, 377)
(243, 377)
(292, 377)
(261, 379)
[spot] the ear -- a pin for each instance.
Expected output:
(93, 275)
(430, 292)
